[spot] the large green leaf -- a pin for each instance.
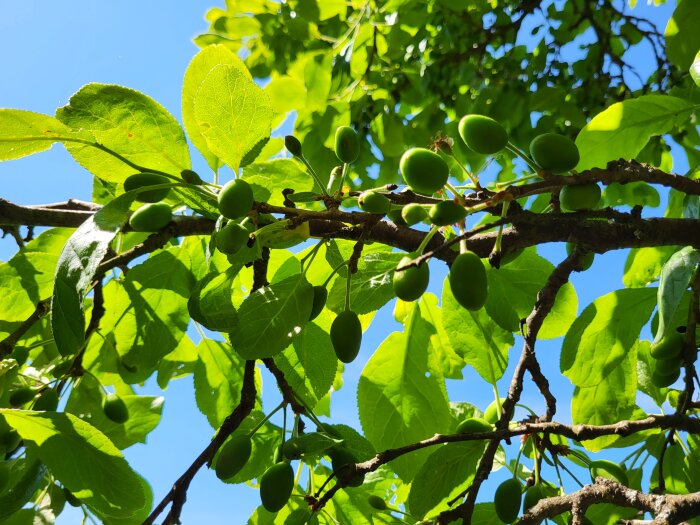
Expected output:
(398, 401)
(643, 265)
(76, 268)
(82, 459)
(623, 129)
(602, 337)
(675, 278)
(444, 359)
(199, 67)
(26, 476)
(211, 302)
(682, 35)
(23, 133)
(128, 122)
(270, 318)
(232, 113)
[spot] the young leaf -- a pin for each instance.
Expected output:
(675, 278)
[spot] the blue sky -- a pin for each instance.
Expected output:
(49, 52)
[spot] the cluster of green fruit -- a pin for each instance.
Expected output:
(667, 354)
(154, 214)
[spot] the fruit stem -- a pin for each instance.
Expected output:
(347, 292)
(311, 254)
(311, 172)
(266, 419)
(536, 450)
(342, 177)
(426, 240)
(520, 153)
(555, 460)
(526, 178)
(499, 410)
(325, 283)
(455, 192)
(517, 459)
(472, 176)
(497, 244)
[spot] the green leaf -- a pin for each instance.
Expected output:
(695, 70)
(76, 269)
(443, 357)
(26, 476)
(678, 477)
(67, 445)
(271, 317)
(202, 63)
(398, 401)
(675, 278)
(682, 36)
(631, 194)
(211, 302)
(447, 472)
(232, 113)
(475, 337)
(643, 265)
(645, 367)
(268, 179)
(128, 122)
(602, 337)
(23, 133)
(623, 129)
(514, 288)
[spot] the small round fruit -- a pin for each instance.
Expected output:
(554, 153)
(9, 441)
(670, 347)
(347, 144)
(191, 177)
(507, 500)
(607, 469)
(151, 217)
(532, 496)
(373, 202)
(47, 401)
(376, 502)
(473, 425)
(414, 213)
(340, 457)
(395, 217)
(233, 456)
(445, 213)
(579, 197)
(142, 180)
(231, 238)
(235, 199)
(424, 171)
(70, 498)
(276, 486)
(661, 380)
(468, 282)
(320, 298)
(20, 354)
(21, 396)
(410, 284)
(115, 408)
(482, 134)
(586, 260)
(346, 336)
(293, 145)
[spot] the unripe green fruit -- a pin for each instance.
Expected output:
(293, 145)
(20, 354)
(115, 408)
(235, 199)
(70, 498)
(62, 368)
(664, 380)
(141, 180)
(21, 396)
(579, 197)
(231, 238)
(340, 457)
(532, 496)
(554, 153)
(9, 441)
(473, 425)
(4, 476)
(414, 213)
(373, 202)
(586, 260)
(320, 298)
(410, 284)
(424, 171)
(376, 502)
(276, 486)
(233, 456)
(292, 449)
(482, 134)
(667, 367)
(151, 217)
(507, 500)
(346, 336)
(670, 347)
(395, 217)
(347, 144)
(491, 412)
(47, 401)
(511, 256)
(191, 177)
(607, 469)
(445, 213)
(468, 281)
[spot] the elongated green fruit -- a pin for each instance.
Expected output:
(468, 281)
(21, 396)
(668, 366)
(20, 354)
(320, 298)
(474, 424)
(346, 336)
(47, 401)
(141, 180)
(376, 502)
(276, 486)
(445, 213)
(491, 412)
(533, 495)
(233, 456)
(586, 260)
(579, 197)
(347, 144)
(554, 153)
(662, 380)
(235, 199)
(341, 457)
(231, 238)
(115, 408)
(670, 347)
(151, 217)
(507, 500)
(607, 469)
(482, 134)
(414, 213)
(410, 284)
(191, 177)
(373, 202)
(396, 217)
(424, 171)
(293, 145)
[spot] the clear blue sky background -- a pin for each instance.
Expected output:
(51, 49)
